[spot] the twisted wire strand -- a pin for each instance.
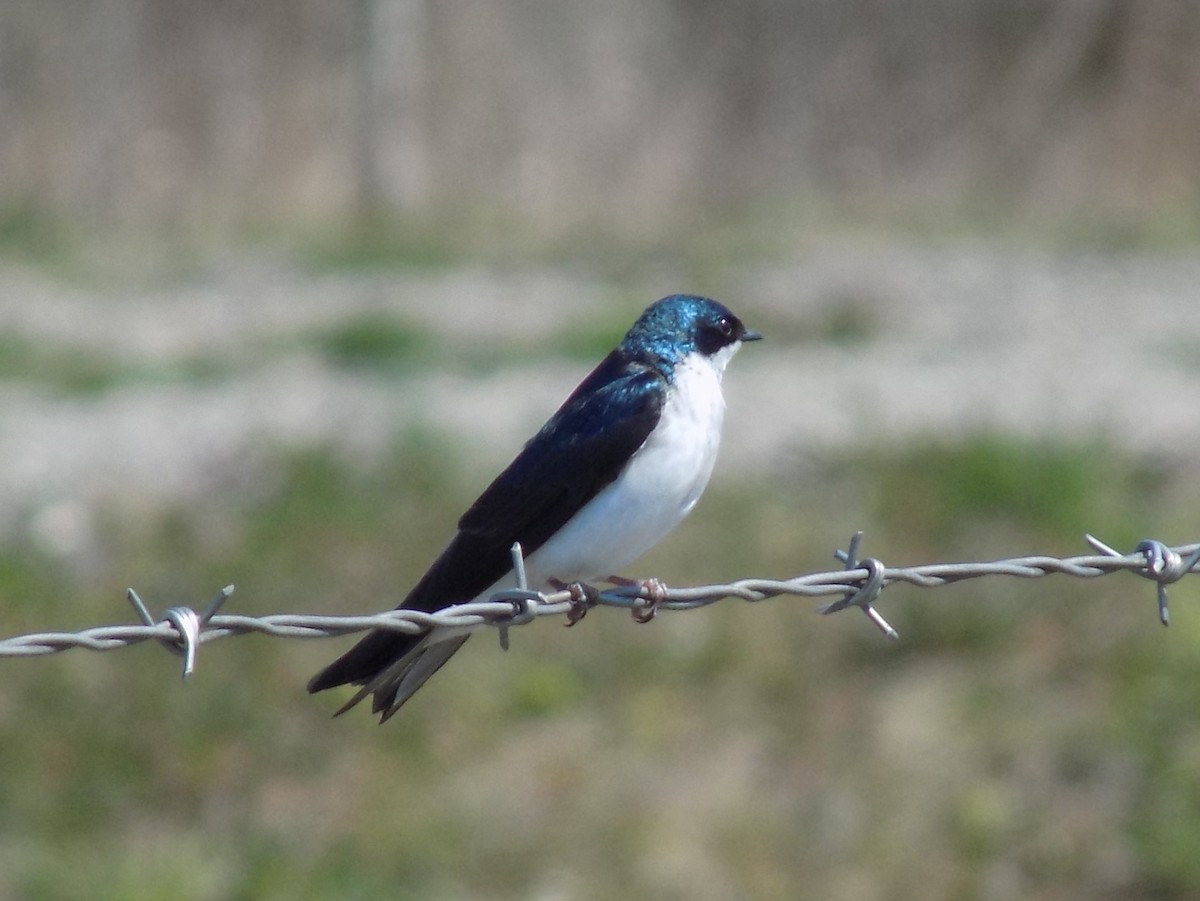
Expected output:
(182, 630)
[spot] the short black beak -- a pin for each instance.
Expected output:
(751, 336)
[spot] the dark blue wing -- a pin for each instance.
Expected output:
(579, 451)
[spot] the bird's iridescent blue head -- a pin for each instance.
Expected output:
(682, 324)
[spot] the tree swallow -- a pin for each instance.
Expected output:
(623, 460)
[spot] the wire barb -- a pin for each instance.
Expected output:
(1162, 565)
(521, 598)
(186, 622)
(868, 593)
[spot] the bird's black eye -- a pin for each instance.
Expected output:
(715, 332)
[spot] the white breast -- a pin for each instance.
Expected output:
(659, 486)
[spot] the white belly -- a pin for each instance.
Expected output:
(658, 487)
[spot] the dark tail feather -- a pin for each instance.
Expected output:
(390, 666)
(364, 661)
(400, 681)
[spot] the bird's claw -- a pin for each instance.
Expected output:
(583, 598)
(655, 592)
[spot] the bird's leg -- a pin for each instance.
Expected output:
(583, 598)
(653, 589)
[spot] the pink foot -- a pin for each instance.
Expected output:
(653, 589)
(583, 598)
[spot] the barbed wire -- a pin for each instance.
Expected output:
(182, 629)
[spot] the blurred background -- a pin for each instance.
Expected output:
(284, 284)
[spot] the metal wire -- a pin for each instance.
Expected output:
(182, 630)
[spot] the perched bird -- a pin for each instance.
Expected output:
(623, 460)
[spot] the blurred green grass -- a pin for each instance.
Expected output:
(65, 371)
(1032, 739)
